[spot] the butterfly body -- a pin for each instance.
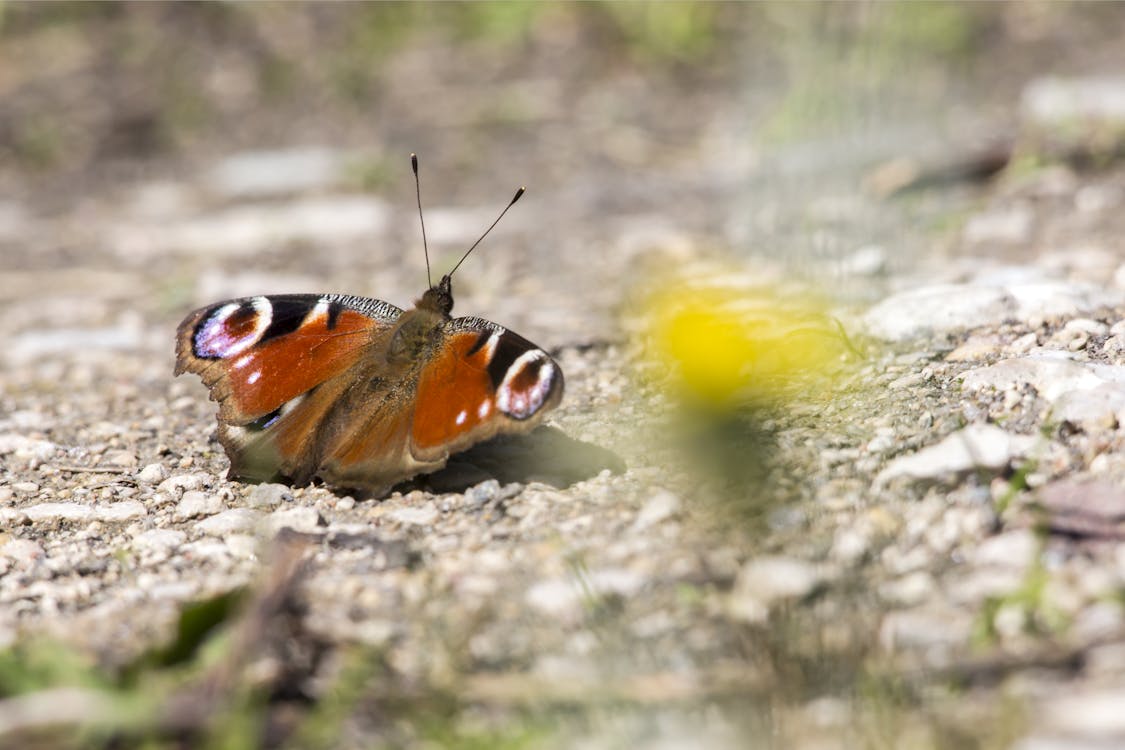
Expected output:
(356, 391)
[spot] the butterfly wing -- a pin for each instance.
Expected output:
(276, 366)
(483, 381)
(306, 387)
(480, 380)
(258, 353)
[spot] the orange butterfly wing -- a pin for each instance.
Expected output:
(258, 353)
(483, 381)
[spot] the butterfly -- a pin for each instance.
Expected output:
(356, 391)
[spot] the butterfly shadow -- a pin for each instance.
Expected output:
(546, 455)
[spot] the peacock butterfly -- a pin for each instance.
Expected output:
(356, 391)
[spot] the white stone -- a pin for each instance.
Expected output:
(268, 496)
(764, 581)
(299, 519)
(123, 459)
(659, 508)
(938, 309)
(913, 588)
(23, 551)
(208, 548)
(124, 510)
(152, 474)
(422, 515)
(1086, 325)
(976, 446)
(1050, 376)
(195, 503)
(850, 545)
(59, 512)
(1087, 713)
(24, 447)
(160, 539)
(233, 521)
(241, 545)
(944, 308)
(1100, 408)
(1024, 344)
(183, 482)
(1060, 299)
(1012, 549)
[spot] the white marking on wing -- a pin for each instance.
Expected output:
(291, 404)
(490, 345)
(522, 404)
(213, 339)
(318, 313)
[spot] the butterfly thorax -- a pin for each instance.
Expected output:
(438, 298)
(420, 328)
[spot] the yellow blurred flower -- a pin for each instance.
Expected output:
(726, 341)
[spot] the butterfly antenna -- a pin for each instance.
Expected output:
(511, 203)
(418, 194)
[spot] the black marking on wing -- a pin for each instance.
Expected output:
(508, 349)
(288, 314)
(334, 310)
(265, 420)
(482, 339)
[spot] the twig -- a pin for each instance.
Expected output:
(93, 469)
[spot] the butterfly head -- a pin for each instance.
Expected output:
(439, 297)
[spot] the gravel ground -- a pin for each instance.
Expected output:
(930, 552)
(951, 514)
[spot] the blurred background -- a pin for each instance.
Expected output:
(155, 157)
(219, 148)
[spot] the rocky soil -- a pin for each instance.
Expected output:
(930, 552)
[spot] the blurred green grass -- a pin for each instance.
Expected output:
(88, 80)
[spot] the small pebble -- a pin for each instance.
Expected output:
(268, 496)
(126, 510)
(59, 512)
(662, 506)
(233, 521)
(195, 503)
(422, 515)
(182, 482)
(303, 519)
(160, 539)
(152, 474)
